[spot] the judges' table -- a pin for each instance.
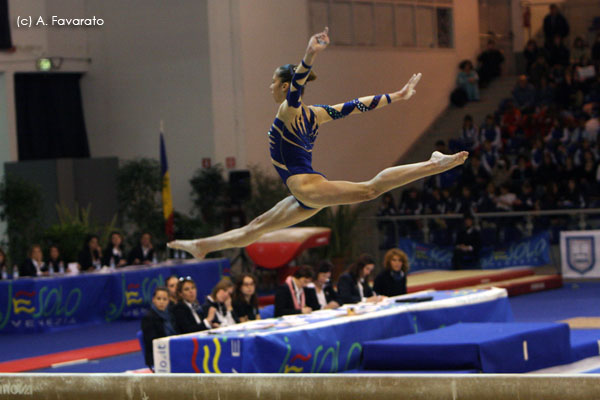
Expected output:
(324, 341)
(44, 304)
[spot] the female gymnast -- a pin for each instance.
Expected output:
(291, 139)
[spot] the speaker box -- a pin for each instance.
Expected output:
(240, 188)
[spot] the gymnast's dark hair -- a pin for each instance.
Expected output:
(286, 73)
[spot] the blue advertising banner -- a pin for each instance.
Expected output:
(532, 251)
(45, 304)
(322, 342)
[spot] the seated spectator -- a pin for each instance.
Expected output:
(546, 93)
(580, 53)
(547, 170)
(290, 298)
(171, 284)
(55, 263)
(322, 295)
(487, 201)
(467, 79)
(189, 316)
(522, 172)
(469, 135)
(489, 157)
(387, 208)
(474, 174)
(411, 204)
(3, 266)
(218, 307)
(465, 203)
(526, 199)
(114, 255)
(531, 54)
(501, 172)
(157, 323)
(491, 132)
(490, 63)
(468, 244)
(392, 280)
(539, 70)
(557, 134)
(34, 263)
(90, 257)
(245, 300)
(524, 95)
(571, 197)
(592, 127)
(558, 53)
(511, 119)
(435, 203)
(142, 253)
(506, 200)
(353, 286)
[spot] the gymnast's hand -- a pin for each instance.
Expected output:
(409, 89)
(318, 42)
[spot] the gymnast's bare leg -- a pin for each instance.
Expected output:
(316, 191)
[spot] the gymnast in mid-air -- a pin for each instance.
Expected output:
(291, 139)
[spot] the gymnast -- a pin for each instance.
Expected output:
(291, 139)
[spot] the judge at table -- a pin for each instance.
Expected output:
(290, 298)
(353, 286)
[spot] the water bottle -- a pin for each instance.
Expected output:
(50, 269)
(4, 273)
(177, 254)
(154, 259)
(112, 264)
(61, 268)
(97, 264)
(15, 272)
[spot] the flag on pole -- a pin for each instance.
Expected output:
(166, 189)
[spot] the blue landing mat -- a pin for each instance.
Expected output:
(585, 343)
(373, 371)
(488, 347)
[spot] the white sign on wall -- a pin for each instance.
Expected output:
(578, 252)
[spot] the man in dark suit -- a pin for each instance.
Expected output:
(142, 253)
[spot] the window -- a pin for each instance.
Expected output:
(385, 23)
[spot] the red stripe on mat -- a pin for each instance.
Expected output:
(90, 353)
(471, 281)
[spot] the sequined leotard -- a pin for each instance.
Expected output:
(291, 142)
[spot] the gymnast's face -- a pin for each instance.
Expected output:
(278, 89)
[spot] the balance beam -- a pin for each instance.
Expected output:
(298, 386)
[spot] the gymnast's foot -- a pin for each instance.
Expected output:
(446, 162)
(194, 247)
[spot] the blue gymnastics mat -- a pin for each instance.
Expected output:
(584, 343)
(487, 347)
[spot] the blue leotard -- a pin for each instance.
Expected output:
(291, 146)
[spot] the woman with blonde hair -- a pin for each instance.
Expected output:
(392, 280)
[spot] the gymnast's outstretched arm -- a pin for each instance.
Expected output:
(327, 113)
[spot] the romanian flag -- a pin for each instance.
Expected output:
(167, 199)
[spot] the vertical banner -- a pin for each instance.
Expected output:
(167, 199)
(578, 252)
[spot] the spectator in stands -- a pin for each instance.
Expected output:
(546, 172)
(392, 280)
(189, 316)
(157, 322)
(34, 263)
(539, 70)
(580, 53)
(592, 127)
(322, 295)
(491, 132)
(571, 198)
(489, 156)
(502, 172)
(245, 300)
(353, 286)
(475, 175)
(114, 255)
(3, 266)
(490, 63)
(467, 79)
(411, 204)
(387, 208)
(142, 253)
(524, 95)
(55, 263)
(171, 284)
(487, 202)
(555, 24)
(506, 200)
(531, 53)
(435, 203)
(90, 257)
(469, 135)
(218, 306)
(465, 204)
(468, 244)
(522, 172)
(526, 199)
(290, 298)
(558, 53)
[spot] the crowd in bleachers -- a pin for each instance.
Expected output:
(538, 150)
